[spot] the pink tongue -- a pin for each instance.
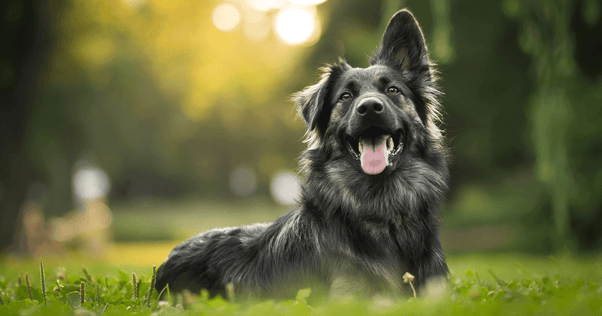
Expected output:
(374, 161)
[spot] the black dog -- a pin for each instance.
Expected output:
(374, 172)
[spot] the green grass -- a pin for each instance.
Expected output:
(481, 284)
(164, 220)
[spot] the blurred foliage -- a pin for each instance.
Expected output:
(169, 105)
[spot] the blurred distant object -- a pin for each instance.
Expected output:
(243, 182)
(25, 42)
(441, 46)
(36, 237)
(88, 226)
(285, 187)
(546, 36)
(86, 229)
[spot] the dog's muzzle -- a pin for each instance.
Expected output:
(374, 135)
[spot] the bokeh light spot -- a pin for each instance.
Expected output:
(262, 5)
(89, 181)
(285, 187)
(307, 2)
(225, 17)
(295, 25)
(243, 181)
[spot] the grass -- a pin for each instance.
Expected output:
(165, 220)
(483, 284)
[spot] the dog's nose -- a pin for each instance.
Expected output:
(370, 105)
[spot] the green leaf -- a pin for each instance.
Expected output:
(470, 273)
(37, 294)
(73, 279)
(595, 305)
(217, 302)
(65, 289)
(74, 299)
(302, 295)
(22, 292)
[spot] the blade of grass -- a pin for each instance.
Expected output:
(230, 292)
(134, 287)
(87, 274)
(522, 269)
(42, 278)
(82, 293)
(28, 287)
(1, 300)
(497, 280)
(169, 298)
(152, 286)
(138, 288)
(163, 290)
(185, 295)
(98, 294)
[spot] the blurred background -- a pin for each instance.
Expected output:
(127, 126)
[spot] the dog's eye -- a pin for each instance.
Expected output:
(345, 97)
(393, 90)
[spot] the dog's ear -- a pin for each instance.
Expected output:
(402, 44)
(403, 47)
(311, 102)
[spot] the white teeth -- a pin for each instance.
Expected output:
(360, 147)
(390, 143)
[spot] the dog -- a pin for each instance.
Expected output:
(374, 173)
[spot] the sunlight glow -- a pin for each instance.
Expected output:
(225, 17)
(295, 25)
(262, 5)
(134, 3)
(307, 2)
(256, 25)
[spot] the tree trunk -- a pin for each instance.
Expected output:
(24, 46)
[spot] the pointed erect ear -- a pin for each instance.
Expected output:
(403, 44)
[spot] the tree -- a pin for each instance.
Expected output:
(25, 45)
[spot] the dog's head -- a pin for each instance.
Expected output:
(372, 115)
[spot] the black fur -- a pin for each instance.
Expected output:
(353, 233)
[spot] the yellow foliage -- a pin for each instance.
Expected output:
(189, 58)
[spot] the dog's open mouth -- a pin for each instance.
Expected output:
(373, 148)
